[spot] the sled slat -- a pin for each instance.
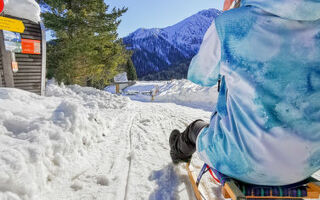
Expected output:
(193, 183)
(234, 191)
(314, 190)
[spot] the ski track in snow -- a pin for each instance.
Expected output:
(135, 159)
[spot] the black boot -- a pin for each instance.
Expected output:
(183, 145)
(176, 155)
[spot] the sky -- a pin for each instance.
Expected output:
(158, 13)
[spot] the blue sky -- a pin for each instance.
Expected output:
(158, 13)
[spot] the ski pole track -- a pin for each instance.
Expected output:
(129, 156)
(123, 160)
(150, 132)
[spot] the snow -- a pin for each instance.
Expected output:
(27, 9)
(40, 136)
(181, 92)
(143, 33)
(82, 143)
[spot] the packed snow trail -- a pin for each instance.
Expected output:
(134, 159)
(82, 143)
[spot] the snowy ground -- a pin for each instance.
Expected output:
(81, 143)
(181, 92)
(85, 144)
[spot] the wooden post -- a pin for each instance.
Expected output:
(154, 92)
(44, 59)
(0, 78)
(193, 183)
(6, 63)
(234, 191)
(117, 88)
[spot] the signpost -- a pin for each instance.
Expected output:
(12, 25)
(22, 52)
(10, 44)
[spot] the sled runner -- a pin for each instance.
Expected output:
(236, 190)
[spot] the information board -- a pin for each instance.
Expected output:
(12, 41)
(121, 77)
(31, 46)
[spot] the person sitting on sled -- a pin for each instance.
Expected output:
(265, 129)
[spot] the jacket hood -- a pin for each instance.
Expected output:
(305, 10)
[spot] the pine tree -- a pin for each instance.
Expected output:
(131, 70)
(86, 50)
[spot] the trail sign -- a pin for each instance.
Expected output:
(12, 41)
(121, 77)
(13, 25)
(1, 6)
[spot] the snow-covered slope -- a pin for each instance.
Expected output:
(182, 92)
(157, 49)
(27, 9)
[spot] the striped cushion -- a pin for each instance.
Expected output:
(293, 190)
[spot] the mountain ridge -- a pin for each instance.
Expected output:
(159, 49)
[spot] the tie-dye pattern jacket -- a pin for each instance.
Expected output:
(267, 126)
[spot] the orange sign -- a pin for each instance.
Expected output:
(31, 46)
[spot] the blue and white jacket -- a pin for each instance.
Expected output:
(267, 127)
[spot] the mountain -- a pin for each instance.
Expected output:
(156, 50)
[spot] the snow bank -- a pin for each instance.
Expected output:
(42, 136)
(27, 9)
(182, 92)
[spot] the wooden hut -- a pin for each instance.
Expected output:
(25, 68)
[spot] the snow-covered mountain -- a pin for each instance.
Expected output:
(159, 49)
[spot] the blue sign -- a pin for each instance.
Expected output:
(12, 41)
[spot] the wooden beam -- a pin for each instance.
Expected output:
(0, 78)
(193, 183)
(44, 60)
(117, 88)
(234, 191)
(6, 63)
(128, 82)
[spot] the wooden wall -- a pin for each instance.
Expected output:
(2, 83)
(30, 74)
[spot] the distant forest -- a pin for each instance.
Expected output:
(179, 71)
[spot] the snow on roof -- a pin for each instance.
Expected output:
(27, 9)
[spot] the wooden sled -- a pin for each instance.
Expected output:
(307, 189)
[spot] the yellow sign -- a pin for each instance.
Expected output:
(12, 25)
